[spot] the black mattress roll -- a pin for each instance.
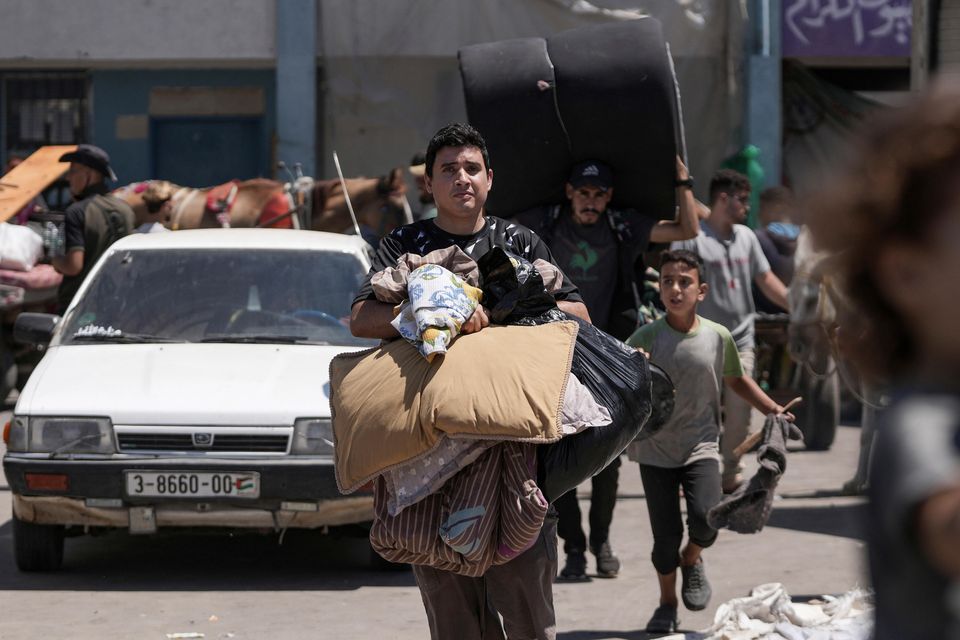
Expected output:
(607, 93)
(509, 87)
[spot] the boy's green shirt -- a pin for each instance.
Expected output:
(697, 363)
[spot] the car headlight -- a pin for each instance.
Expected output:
(18, 435)
(312, 436)
(64, 435)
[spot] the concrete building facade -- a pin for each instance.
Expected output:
(203, 92)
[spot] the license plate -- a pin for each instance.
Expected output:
(190, 484)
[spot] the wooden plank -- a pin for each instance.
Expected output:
(31, 177)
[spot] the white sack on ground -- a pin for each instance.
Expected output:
(769, 614)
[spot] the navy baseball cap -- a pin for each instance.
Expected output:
(91, 156)
(593, 173)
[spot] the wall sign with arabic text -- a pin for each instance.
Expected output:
(846, 28)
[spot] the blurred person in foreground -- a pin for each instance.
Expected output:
(893, 221)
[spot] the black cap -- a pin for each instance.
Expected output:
(91, 156)
(593, 173)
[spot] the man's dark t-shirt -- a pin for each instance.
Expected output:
(916, 455)
(590, 254)
(424, 236)
(114, 219)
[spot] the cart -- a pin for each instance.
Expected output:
(33, 290)
(782, 378)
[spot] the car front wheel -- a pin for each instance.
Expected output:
(37, 547)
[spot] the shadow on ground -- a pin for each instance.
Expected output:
(189, 561)
(844, 520)
(595, 634)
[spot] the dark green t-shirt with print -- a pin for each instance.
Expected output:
(588, 255)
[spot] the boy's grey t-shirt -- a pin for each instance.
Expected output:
(732, 265)
(696, 362)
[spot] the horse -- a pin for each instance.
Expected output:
(380, 204)
(820, 313)
(813, 306)
(816, 310)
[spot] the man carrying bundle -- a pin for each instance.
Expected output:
(458, 174)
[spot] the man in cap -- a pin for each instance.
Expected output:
(598, 247)
(93, 222)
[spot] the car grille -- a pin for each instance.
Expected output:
(222, 442)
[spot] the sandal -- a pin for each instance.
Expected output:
(664, 620)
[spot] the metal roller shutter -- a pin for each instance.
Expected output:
(948, 38)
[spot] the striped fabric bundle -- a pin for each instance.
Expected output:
(487, 514)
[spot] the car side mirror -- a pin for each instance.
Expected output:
(35, 328)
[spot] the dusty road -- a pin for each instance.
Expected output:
(250, 587)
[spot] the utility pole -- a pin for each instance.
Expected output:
(920, 40)
(296, 74)
(764, 100)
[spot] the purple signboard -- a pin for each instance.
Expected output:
(846, 28)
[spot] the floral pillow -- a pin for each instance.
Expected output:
(439, 303)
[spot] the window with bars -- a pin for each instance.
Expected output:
(44, 108)
(40, 108)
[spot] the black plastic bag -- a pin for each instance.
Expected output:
(513, 291)
(619, 377)
(664, 396)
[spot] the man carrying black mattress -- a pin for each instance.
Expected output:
(458, 175)
(598, 247)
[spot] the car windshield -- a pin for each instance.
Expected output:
(223, 295)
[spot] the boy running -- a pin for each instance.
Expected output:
(700, 356)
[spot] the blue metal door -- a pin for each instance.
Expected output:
(200, 152)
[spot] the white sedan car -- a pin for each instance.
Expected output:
(187, 386)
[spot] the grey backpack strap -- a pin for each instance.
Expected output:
(549, 222)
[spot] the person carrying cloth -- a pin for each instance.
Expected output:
(458, 174)
(700, 356)
(599, 247)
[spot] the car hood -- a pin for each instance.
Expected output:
(152, 384)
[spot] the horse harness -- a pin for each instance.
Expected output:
(220, 201)
(180, 199)
(829, 294)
